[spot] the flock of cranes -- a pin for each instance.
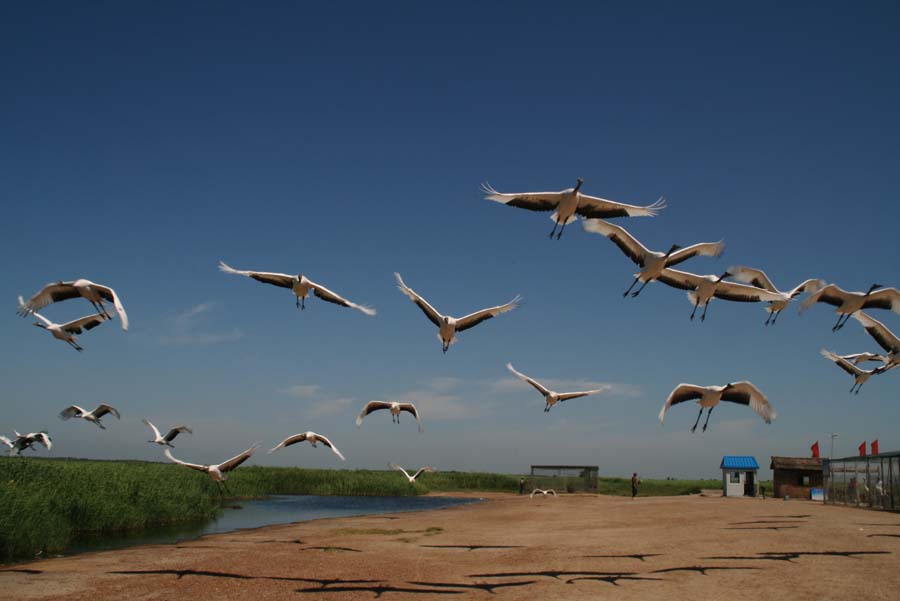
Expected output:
(746, 284)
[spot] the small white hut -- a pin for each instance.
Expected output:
(739, 476)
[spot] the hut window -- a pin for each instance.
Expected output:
(735, 478)
(804, 480)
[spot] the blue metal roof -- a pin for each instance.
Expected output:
(739, 462)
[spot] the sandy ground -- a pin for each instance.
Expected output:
(570, 547)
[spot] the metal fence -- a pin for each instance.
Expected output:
(872, 481)
(565, 477)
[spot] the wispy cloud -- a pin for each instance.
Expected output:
(441, 399)
(302, 391)
(328, 408)
(185, 329)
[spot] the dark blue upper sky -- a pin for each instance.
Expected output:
(142, 144)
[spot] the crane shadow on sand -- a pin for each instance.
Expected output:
(790, 556)
(471, 547)
(179, 574)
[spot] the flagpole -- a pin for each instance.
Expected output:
(833, 435)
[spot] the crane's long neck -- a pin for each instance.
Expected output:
(578, 185)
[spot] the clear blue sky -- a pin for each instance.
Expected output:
(141, 144)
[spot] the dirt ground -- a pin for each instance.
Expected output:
(569, 547)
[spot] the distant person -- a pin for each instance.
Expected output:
(762, 491)
(634, 484)
(521, 486)
(879, 491)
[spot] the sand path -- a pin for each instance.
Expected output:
(570, 547)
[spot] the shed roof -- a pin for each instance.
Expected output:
(812, 464)
(739, 462)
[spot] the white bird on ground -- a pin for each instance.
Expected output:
(310, 437)
(448, 326)
(91, 416)
(743, 393)
(542, 492)
(218, 472)
(702, 289)
(412, 479)
(758, 278)
(60, 291)
(566, 204)
(651, 262)
(300, 285)
(860, 376)
(848, 303)
(884, 337)
(27, 441)
(67, 331)
(551, 396)
(166, 440)
(394, 407)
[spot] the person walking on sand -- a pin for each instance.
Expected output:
(521, 486)
(634, 484)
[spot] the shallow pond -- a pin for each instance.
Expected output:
(277, 509)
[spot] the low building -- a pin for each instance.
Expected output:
(795, 477)
(739, 476)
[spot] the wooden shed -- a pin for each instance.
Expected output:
(796, 476)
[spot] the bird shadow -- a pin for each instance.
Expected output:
(471, 547)
(702, 569)
(22, 571)
(790, 556)
(880, 525)
(380, 590)
(609, 577)
(612, 579)
(484, 586)
(765, 522)
(884, 535)
(327, 548)
(805, 515)
(640, 556)
(763, 528)
(322, 582)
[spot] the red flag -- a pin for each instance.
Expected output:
(815, 449)
(875, 447)
(862, 449)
